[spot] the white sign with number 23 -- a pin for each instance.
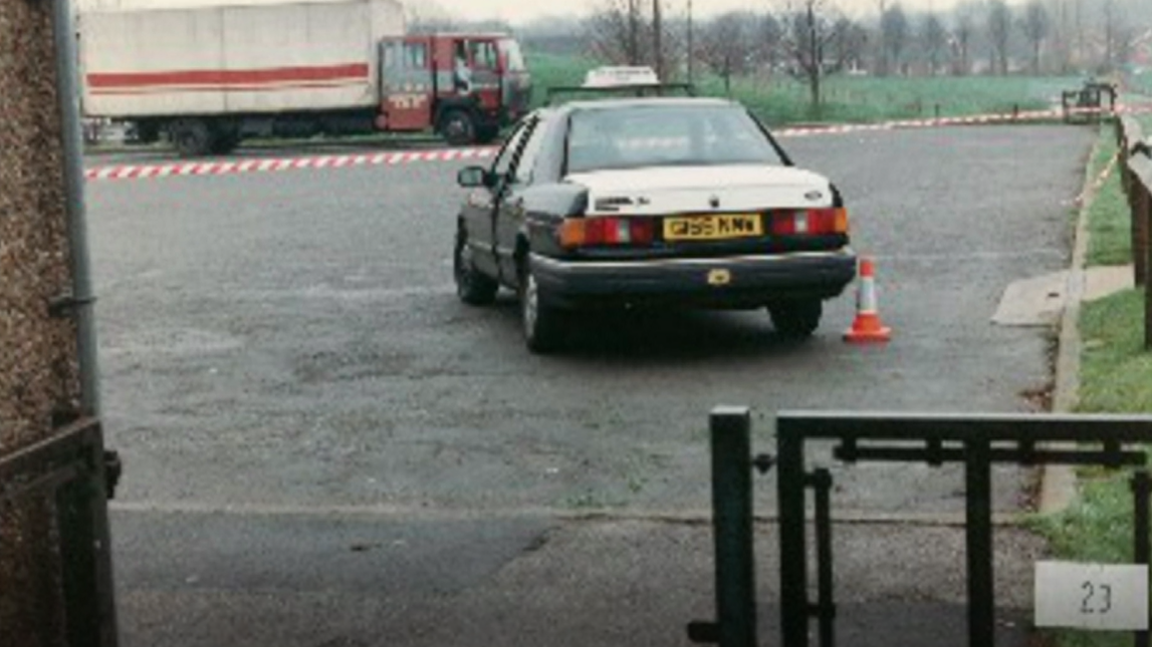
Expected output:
(1109, 597)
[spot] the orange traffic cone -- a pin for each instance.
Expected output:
(867, 327)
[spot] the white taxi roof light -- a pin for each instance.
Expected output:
(620, 76)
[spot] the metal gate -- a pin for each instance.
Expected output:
(975, 441)
(71, 474)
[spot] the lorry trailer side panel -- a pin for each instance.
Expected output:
(241, 59)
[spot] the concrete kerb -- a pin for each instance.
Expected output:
(1058, 482)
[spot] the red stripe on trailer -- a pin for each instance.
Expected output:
(222, 79)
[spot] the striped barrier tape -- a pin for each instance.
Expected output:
(1009, 117)
(266, 165)
(1098, 182)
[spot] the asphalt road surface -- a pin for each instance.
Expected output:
(293, 339)
(280, 346)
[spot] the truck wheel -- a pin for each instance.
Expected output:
(225, 142)
(796, 319)
(458, 128)
(147, 132)
(487, 134)
(191, 137)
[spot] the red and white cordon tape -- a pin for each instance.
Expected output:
(1007, 117)
(267, 165)
(264, 165)
(1098, 182)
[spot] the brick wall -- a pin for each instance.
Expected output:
(38, 368)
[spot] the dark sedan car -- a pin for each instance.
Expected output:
(683, 202)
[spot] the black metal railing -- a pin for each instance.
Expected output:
(73, 469)
(976, 441)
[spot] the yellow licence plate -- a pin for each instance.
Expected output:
(713, 227)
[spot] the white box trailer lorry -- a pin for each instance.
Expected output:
(208, 75)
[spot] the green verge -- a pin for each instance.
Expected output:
(1115, 377)
(1109, 232)
(851, 99)
(781, 100)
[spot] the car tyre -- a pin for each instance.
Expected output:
(458, 128)
(541, 323)
(473, 287)
(796, 319)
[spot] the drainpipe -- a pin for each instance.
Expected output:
(68, 95)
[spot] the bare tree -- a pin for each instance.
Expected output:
(848, 46)
(1036, 26)
(1060, 36)
(933, 40)
(810, 29)
(1126, 38)
(766, 41)
(614, 32)
(1114, 35)
(725, 46)
(962, 41)
(880, 58)
(623, 32)
(999, 31)
(633, 32)
(657, 34)
(1079, 12)
(894, 32)
(428, 17)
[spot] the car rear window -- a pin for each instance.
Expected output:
(659, 135)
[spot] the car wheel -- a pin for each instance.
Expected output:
(457, 128)
(541, 323)
(472, 287)
(796, 319)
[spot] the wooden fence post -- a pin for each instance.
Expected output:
(1143, 212)
(1137, 194)
(1140, 166)
(1139, 204)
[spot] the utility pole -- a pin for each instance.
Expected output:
(657, 45)
(690, 51)
(633, 33)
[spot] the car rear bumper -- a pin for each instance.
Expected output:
(730, 282)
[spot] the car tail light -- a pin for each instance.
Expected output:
(590, 232)
(810, 222)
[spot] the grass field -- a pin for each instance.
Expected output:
(782, 100)
(1109, 229)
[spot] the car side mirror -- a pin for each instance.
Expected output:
(473, 176)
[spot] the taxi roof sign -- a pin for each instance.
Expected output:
(632, 79)
(620, 76)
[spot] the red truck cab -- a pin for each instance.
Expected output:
(463, 86)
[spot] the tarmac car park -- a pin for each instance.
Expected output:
(650, 201)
